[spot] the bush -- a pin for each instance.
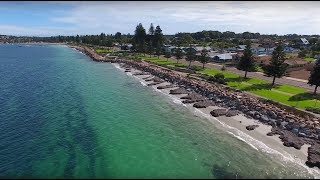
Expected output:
(219, 76)
(212, 78)
(313, 109)
(196, 68)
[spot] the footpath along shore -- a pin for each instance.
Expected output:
(299, 132)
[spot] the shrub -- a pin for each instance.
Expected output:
(313, 109)
(219, 76)
(211, 78)
(196, 68)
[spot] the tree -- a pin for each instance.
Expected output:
(314, 78)
(246, 62)
(139, 38)
(167, 55)
(277, 67)
(190, 55)
(158, 37)
(151, 29)
(158, 50)
(204, 57)
(179, 54)
(149, 48)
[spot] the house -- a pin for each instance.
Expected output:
(260, 51)
(288, 49)
(223, 57)
(304, 41)
(168, 48)
(126, 47)
(197, 49)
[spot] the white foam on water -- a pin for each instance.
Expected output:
(254, 143)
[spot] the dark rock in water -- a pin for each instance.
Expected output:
(203, 104)
(313, 156)
(218, 112)
(127, 71)
(194, 97)
(251, 127)
(231, 113)
(188, 101)
(179, 91)
(154, 83)
(195, 143)
(166, 86)
(289, 139)
(140, 73)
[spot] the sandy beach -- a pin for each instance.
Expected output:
(236, 126)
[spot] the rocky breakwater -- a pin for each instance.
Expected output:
(303, 128)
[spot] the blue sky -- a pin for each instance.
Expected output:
(71, 18)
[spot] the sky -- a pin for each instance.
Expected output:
(49, 18)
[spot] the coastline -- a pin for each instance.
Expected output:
(287, 145)
(236, 126)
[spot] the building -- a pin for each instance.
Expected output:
(126, 47)
(223, 57)
(304, 41)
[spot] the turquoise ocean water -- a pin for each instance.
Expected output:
(65, 116)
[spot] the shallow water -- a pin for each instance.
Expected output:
(65, 116)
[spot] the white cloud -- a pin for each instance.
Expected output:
(256, 16)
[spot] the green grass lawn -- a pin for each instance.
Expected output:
(308, 59)
(299, 98)
(104, 51)
(161, 61)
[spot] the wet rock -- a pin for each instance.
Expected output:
(231, 113)
(194, 97)
(154, 83)
(166, 86)
(251, 127)
(140, 73)
(179, 91)
(203, 104)
(188, 101)
(218, 112)
(314, 156)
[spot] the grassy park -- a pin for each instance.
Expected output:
(289, 95)
(285, 94)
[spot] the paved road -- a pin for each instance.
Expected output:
(284, 80)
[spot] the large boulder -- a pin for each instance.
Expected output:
(231, 113)
(289, 139)
(218, 112)
(203, 104)
(166, 86)
(313, 156)
(251, 127)
(179, 91)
